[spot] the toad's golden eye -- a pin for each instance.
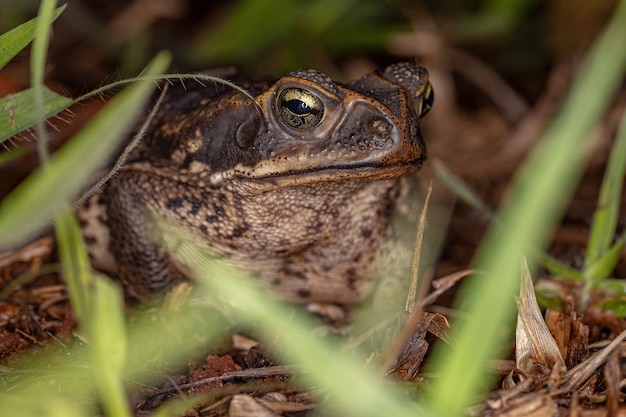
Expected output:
(428, 99)
(299, 108)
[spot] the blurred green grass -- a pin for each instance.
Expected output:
(271, 37)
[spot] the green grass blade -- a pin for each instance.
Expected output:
(74, 263)
(99, 307)
(601, 269)
(615, 305)
(604, 224)
(32, 204)
(537, 197)
(17, 111)
(460, 188)
(13, 41)
(38, 404)
(108, 344)
(615, 287)
(38, 54)
(558, 268)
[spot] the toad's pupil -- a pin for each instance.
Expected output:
(298, 107)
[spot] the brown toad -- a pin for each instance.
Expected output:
(296, 186)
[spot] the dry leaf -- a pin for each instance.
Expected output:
(243, 405)
(536, 352)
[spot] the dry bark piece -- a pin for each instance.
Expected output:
(39, 248)
(408, 364)
(571, 336)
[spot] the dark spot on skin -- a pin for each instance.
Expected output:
(286, 271)
(298, 274)
(203, 229)
(189, 158)
(82, 223)
(222, 197)
(174, 203)
(90, 240)
(304, 293)
(366, 233)
(351, 273)
(219, 211)
(276, 282)
(87, 204)
(388, 208)
(357, 258)
(196, 205)
(352, 283)
(317, 227)
(205, 195)
(239, 231)
(212, 219)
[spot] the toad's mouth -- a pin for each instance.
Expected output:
(376, 171)
(373, 171)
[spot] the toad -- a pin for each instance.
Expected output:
(296, 186)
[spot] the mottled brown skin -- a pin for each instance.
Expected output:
(297, 185)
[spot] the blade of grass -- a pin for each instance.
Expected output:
(558, 268)
(74, 263)
(616, 287)
(615, 305)
(32, 204)
(537, 197)
(465, 193)
(461, 189)
(601, 269)
(47, 404)
(174, 337)
(19, 113)
(108, 344)
(98, 306)
(13, 41)
(39, 51)
(604, 224)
